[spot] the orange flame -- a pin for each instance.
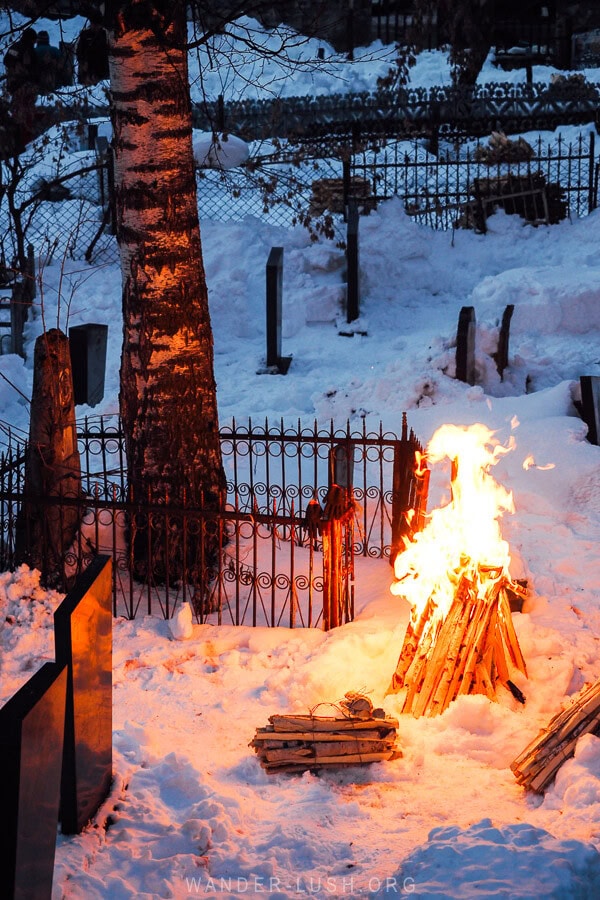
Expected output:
(464, 534)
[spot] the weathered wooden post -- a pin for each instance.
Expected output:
(410, 487)
(276, 363)
(336, 531)
(465, 345)
(47, 523)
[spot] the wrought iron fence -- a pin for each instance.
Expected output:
(269, 567)
(395, 22)
(470, 110)
(439, 191)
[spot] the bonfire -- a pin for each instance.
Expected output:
(455, 574)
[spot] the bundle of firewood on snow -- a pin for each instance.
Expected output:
(359, 735)
(537, 765)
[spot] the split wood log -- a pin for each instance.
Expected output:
(269, 735)
(538, 764)
(328, 723)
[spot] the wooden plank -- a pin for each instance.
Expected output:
(358, 758)
(321, 723)
(351, 747)
(508, 629)
(310, 736)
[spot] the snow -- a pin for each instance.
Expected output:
(191, 812)
(219, 151)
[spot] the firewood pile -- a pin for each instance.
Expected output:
(542, 758)
(471, 650)
(501, 149)
(529, 196)
(296, 743)
(327, 195)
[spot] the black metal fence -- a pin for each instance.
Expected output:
(441, 191)
(395, 22)
(270, 567)
(469, 110)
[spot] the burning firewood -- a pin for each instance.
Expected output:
(460, 638)
(468, 652)
(297, 743)
(542, 758)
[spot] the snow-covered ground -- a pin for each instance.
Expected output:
(191, 812)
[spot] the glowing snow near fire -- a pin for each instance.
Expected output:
(465, 533)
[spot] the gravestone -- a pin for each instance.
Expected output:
(276, 363)
(501, 355)
(31, 749)
(465, 345)
(87, 344)
(341, 466)
(590, 405)
(83, 638)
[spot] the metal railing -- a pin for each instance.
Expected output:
(438, 190)
(269, 567)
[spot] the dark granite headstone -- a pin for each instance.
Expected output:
(31, 750)
(87, 344)
(275, 361)
(465, 345)
(501, 355)
(83, 636)
(590, 405)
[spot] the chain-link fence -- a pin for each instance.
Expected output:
(63, 212)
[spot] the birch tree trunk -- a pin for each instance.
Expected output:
(168, 399)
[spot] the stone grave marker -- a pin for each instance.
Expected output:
(31, 749)
(465, 345)
(276, 363)
(83, 637)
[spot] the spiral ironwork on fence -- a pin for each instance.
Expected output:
(285, 486)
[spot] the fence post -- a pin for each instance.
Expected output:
(220, 113)
(400, 496)
(31, 289)
(352, 263)
(275, 361)
(346, 185)
(592, 199)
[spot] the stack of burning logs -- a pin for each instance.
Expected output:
(297, 743)
(470, 650)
